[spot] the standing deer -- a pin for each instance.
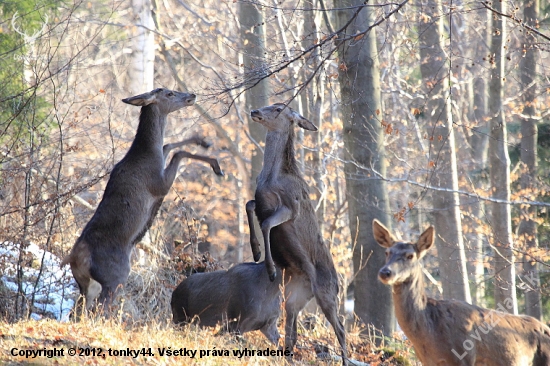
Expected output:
(243, 298)
(451, 332)
(100, 258)
(287, 218)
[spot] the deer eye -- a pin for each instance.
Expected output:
(279, 110)
(170, 94)
(410, 256)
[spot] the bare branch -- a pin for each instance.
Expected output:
(517, 20)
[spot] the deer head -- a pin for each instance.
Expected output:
(279, 117)
(402, 259)
(167, 100)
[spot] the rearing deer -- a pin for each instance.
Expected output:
(288, 220)
(451, 332)
(100, 258)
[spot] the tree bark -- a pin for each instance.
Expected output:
(479, 144)
(141, 71)
(367, 195)
(312, 102)
(529, 133)
(499, 162)
(252, 32)
(435, 74)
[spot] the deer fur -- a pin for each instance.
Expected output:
(451, 332)
(287, 219)
(100, 258)
(242, 298)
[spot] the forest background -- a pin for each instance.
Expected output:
(430, 112)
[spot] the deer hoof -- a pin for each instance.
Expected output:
(257, 256)
(216, 168)
(205, 144)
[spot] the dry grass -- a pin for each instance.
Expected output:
(144, 323)
(114, 335)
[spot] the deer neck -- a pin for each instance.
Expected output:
(150, 131)
(410, 303)
(278, 155)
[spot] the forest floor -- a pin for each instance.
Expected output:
(114, 342)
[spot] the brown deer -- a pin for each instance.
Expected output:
(100, 258)
(243, 298)
(287, 219)
(451, 332)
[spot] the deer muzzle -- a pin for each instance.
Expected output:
(384, 274)
(256, 115)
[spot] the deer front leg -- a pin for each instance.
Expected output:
(193, 140)
(254, 242)
(213, 162)
(281, 215)
(161, 184)
(161, 187)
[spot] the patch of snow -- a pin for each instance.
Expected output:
(55, 289)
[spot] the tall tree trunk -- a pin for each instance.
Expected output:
(479, 143)
(367, 195)
(312, 102)
(435, 73)
(529, 133)
(252, 31)
(141, 71)
(499, 162)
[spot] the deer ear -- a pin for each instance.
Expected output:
(382, 235)
(425, 241)
(141, 100)
(303, 122)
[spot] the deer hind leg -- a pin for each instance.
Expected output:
(325, 290)
(254, 243)
(271, 332)
(80, 261)
(109, 291)
(93, 291)
(297, 294)
(89, 291)
(111, 270)
(281, 215)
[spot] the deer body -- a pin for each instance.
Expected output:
(451, 332)
(288, 220)
(243, 298)
(100, 258)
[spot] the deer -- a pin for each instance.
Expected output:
(100, 257)
(452, 332)
(242, 298)
(287, 217)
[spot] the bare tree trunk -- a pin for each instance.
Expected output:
(529, 134)
(141, 71)
(499, 162)
(312, 102)
(252, 31)
(479, 143)
(253, 41)
(478, 152)
(367, 196)
(435, 73)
